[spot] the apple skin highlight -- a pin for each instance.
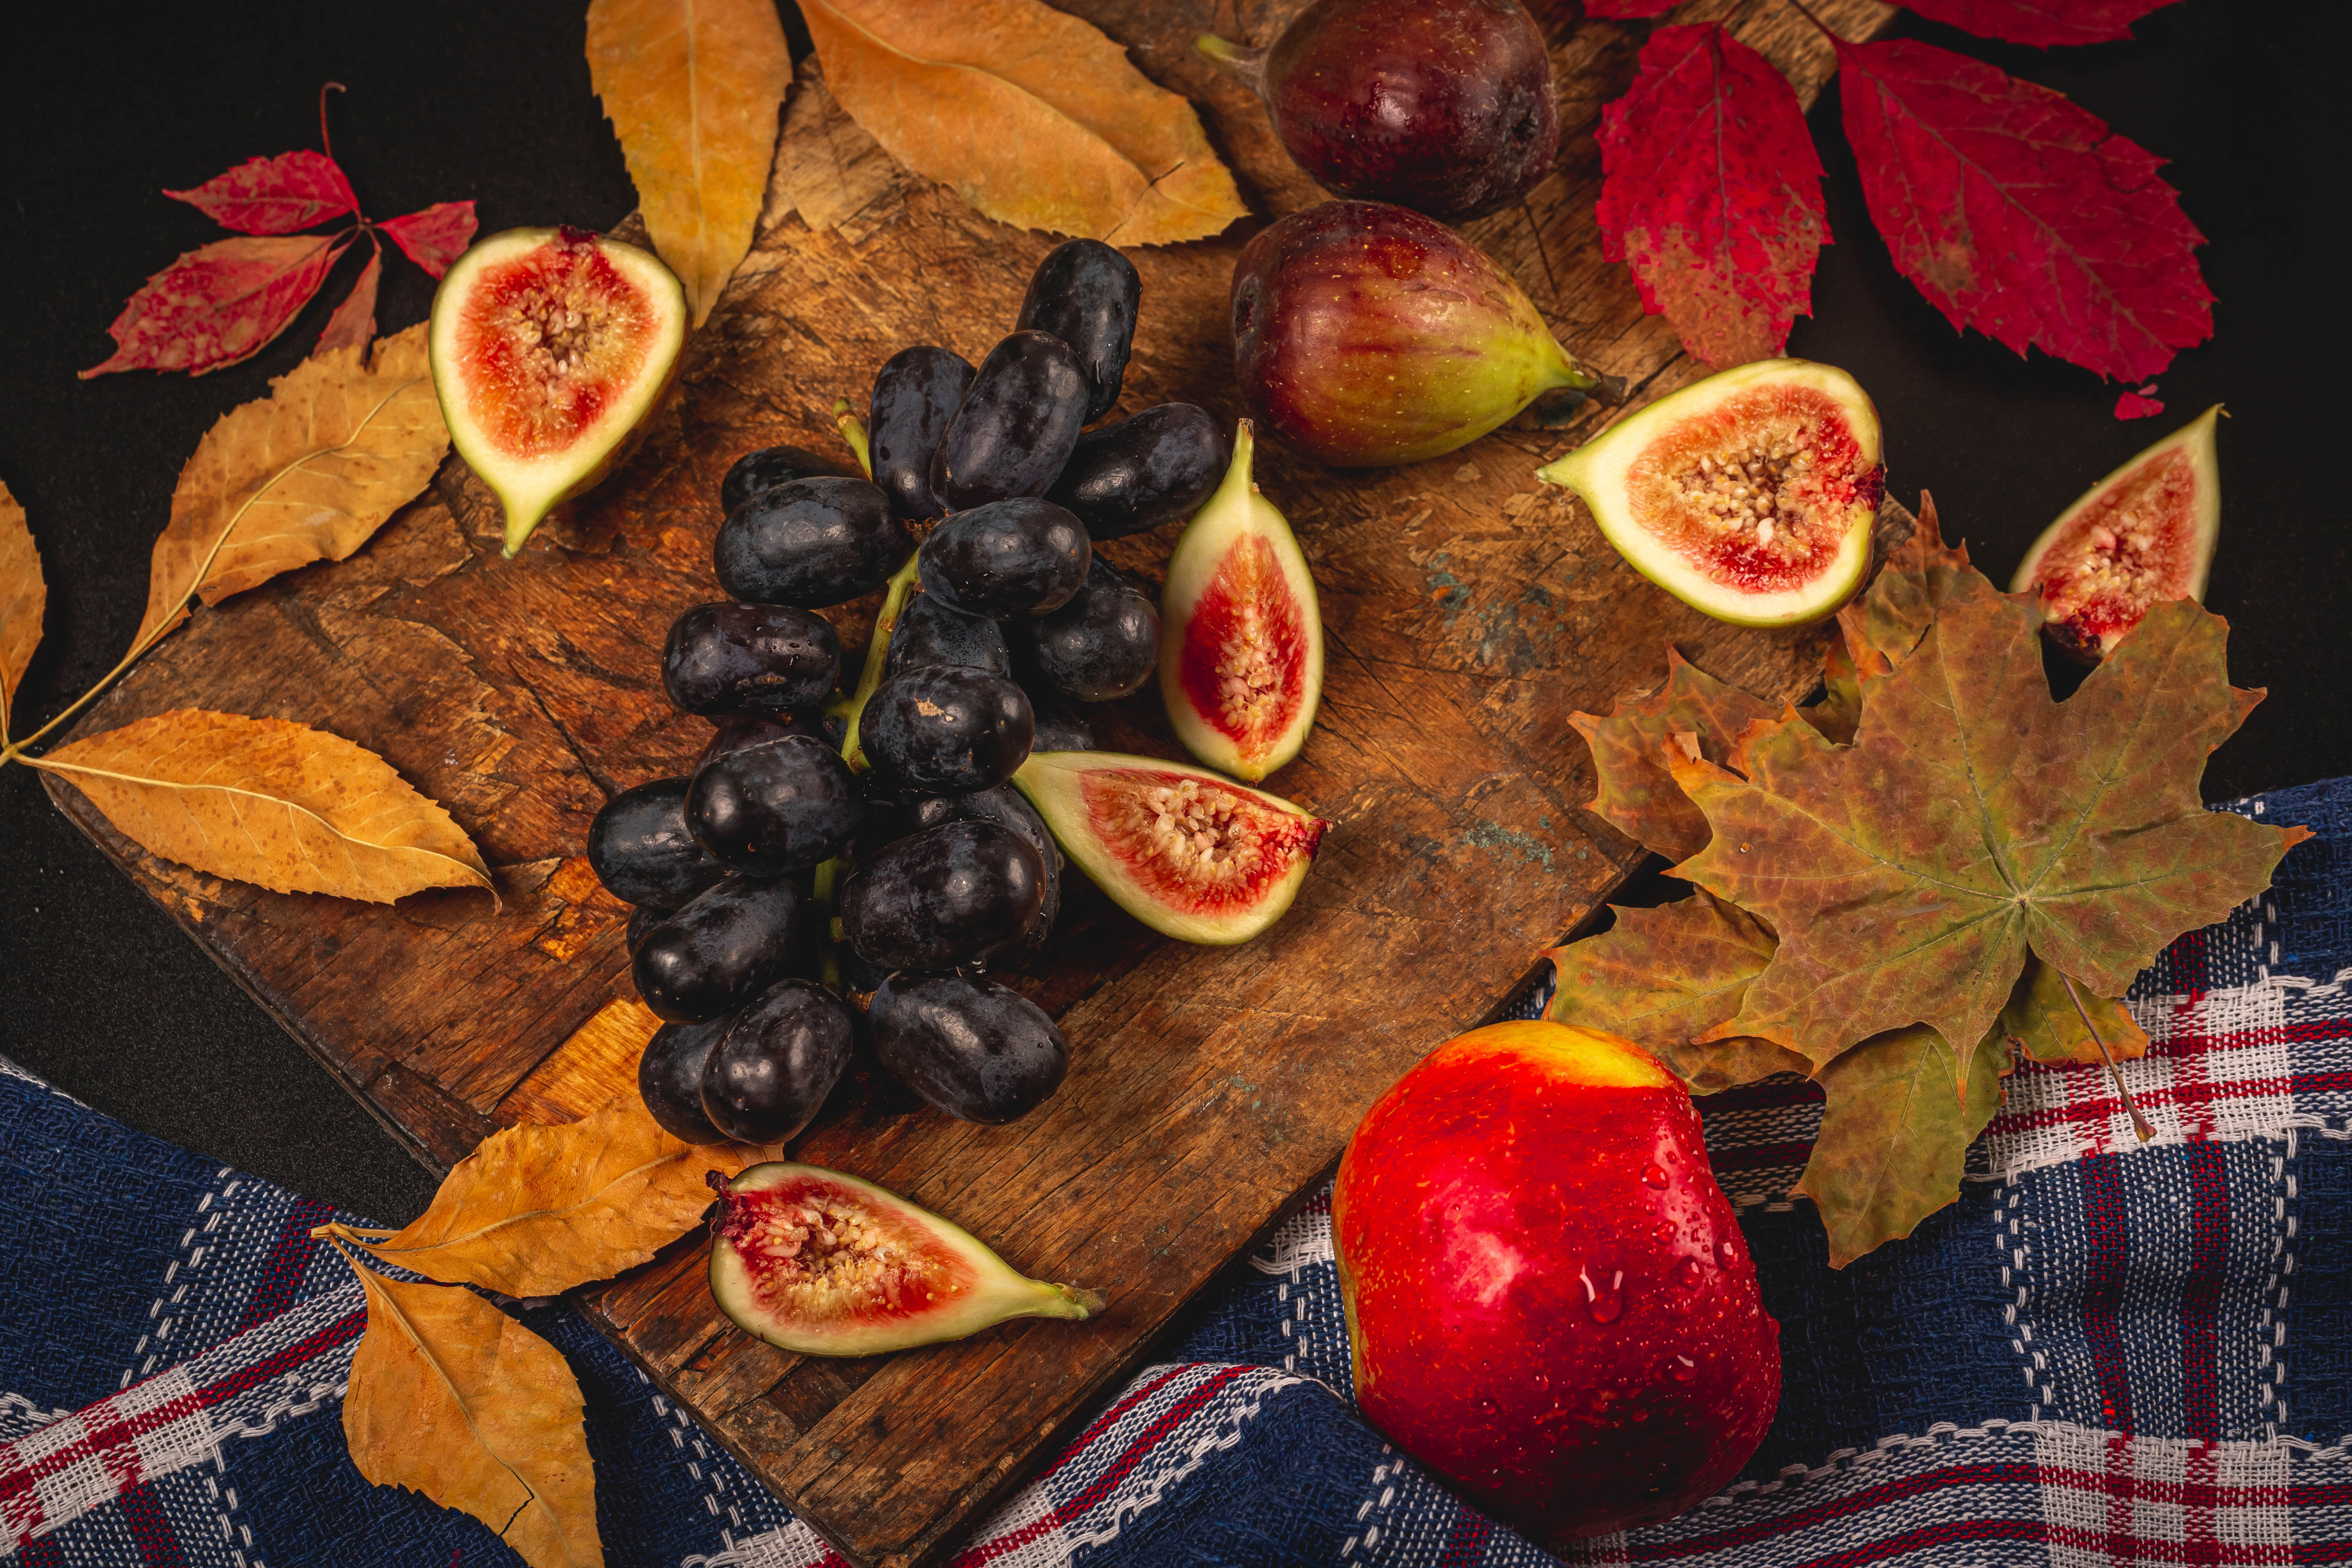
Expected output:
(1550, 1303)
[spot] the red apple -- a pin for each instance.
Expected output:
(1549, 1301)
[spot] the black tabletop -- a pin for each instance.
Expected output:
(448, 99)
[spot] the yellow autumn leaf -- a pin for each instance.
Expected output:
(24, 597)
(269, 802)
(1030, 114)
(537, 1210)
(452, 1398)
(693, 89)
(308, 473)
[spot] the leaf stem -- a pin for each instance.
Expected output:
(326, 143)
(152, 635)
(854, 433)
(2140, 1124)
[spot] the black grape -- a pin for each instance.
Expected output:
(669, 1079)
(915, 396)
(726, 659)
(932, 631)
(812, 542)
(1057, 728)
(1016, 425)
(642, 917)
(945, 730)
(640, 848)
(718, 951)
(1086, 294)
(950, 895)
(780, 1057)
(769, 809)
(974, 1049)
(1008, 558)
(741, 732)
(1002, 805)
(756, 472)
(1140, 472)
(1103, 644)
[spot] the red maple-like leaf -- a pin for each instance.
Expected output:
(220, 304)
(2020, 215)
(1628, 10)
(353, 323)
(274, 196)
(2041, 23)
(1711, 191)
(435, 237)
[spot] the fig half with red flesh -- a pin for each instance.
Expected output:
(1240, 642)
(549, 347)
(2143, 534)
(821, 1263)
(1749, 495)
(1190, 855)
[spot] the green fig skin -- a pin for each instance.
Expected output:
(1367, 336)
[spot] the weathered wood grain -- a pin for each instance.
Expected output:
(1468, 611)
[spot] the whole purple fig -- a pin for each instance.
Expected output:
(1443, 106)
(1369, 335)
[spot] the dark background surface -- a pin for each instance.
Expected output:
(106, 998)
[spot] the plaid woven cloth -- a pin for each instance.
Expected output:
(2086, 1360)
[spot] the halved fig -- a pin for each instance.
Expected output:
(549, 346)
(1749, 495)
(820, 1263)
(1190, 855)
(1241, 641)
(2143, 534)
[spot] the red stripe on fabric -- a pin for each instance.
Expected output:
(2105, 1268)
(1467, 1543)
(2200, 1293)
(1902, 1489)
(316, 1343)
(2165, 1490)
(2139, 1548)
(288, 1262)
(107, 1436)
(158, 1542)
(43, 1553)
(1127, 1401)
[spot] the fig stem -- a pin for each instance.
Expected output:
(2140, 1124)
(877, 654)
(1247, 64)
(855, 434)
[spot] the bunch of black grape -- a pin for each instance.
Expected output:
(865, 843)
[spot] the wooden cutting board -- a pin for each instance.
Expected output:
(1468, 610)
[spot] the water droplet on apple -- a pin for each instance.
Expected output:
(1603, 1302)
(1725, 1252)
(1688, 1274)
(1683, 1369)
(1654, 1177)
(1486, 1404)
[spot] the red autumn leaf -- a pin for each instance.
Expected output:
(353, 323)
(274, 196)
(1711, 191)
(2041, 23)
(220, 304)
(435, 237)
(1628, 10)
(2020, 214)
(2137, 405)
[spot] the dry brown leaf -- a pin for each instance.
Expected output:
(306, 474)
(24, 597)
(537, 1210)
(270, 801)
(1032, 116)
(452, 1398)
(692, 87)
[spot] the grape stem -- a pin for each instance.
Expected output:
(820, 891)
(854, 433)
(877, 654)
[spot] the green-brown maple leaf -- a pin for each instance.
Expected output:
(1661, 977)
(1637, 795)
(1893, 1141)
(1976, 821)
(1922, 575)
(2040, 1020)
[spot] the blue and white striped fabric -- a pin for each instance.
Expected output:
(2104, 1354)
